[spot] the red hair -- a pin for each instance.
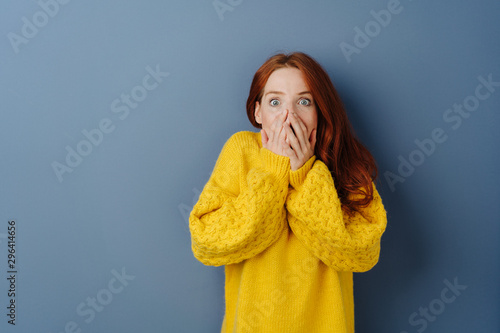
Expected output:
(352, 166)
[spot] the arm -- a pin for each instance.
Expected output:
(239, 214)
(315, 216)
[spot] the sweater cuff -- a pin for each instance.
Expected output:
(276, 164)
(298, 176)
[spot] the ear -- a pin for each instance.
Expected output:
(257, 113)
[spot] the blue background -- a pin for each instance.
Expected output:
(124, 207)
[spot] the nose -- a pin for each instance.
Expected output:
(289, 107)
(286, 111)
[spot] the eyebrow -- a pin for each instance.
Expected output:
(282, 93)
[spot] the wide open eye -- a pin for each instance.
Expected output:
(274, 102)
(305, 102)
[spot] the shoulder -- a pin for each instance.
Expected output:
(243, 141)
(246, 138)
(240, 146)
(239, 150)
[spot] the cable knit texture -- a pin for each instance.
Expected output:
(288, 249)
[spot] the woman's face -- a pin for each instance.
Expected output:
(286, 90)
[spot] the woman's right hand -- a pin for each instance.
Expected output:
(274, 138)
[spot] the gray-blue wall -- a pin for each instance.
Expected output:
(114, 112)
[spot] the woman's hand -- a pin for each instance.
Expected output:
(300, 146)
(274, 138)
(281, 139)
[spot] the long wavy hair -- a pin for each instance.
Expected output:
(352, 166)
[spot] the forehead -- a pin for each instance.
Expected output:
(288, 79)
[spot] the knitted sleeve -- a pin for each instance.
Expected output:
(239, 214)
(315, 216)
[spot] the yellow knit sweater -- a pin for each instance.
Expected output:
(288, 250)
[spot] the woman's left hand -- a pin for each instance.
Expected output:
(301, 145)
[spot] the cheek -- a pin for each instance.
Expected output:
(266, 123)
(310, 120)
(268, 118)
(314, 120)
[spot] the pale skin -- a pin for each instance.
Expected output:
(287, 103)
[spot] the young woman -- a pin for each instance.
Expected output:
(291, 211)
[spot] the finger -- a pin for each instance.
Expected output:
(300, 130)
(287, 149)
(283, 124)
(293, 142)
(264, 137)
(312, 138)
(275, 130)
(297, 125)
(270, 132)
(302, 127)
(281, 118)
(285, 115)
(276, 126)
